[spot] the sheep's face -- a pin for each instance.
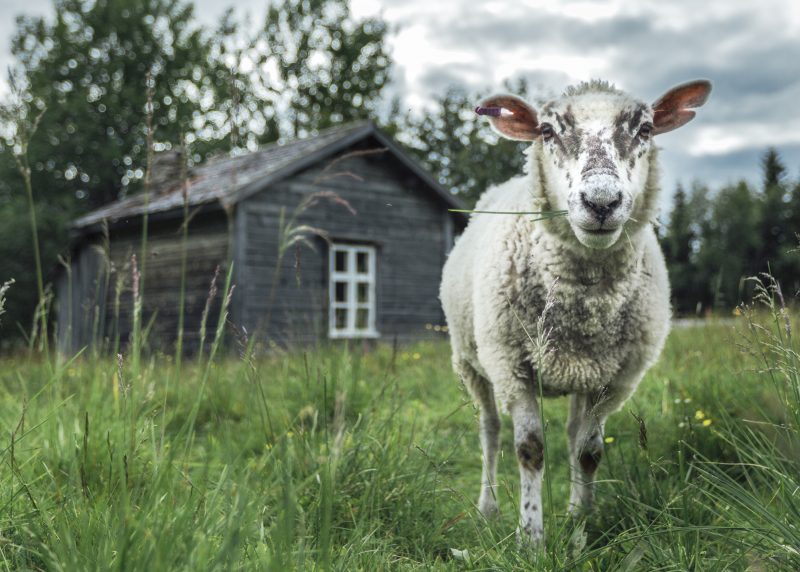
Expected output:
(593, 148)
(594, 153)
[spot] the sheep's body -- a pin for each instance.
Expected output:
(591, 157)
(612, 311)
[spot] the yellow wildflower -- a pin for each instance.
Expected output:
(699, 414)
(609, 439)
(417, 355)
(707, 422)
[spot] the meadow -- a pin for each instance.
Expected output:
(350, 458)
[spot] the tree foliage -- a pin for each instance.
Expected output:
(715, 241)
(329, 67)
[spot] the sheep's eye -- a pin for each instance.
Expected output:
(645, 130)
(547, 131)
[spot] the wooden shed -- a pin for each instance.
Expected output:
(373, 230)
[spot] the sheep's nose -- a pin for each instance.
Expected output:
(602, 205)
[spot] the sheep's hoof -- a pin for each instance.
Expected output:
(489, 508)
(533, 538)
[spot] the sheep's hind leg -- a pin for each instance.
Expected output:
(529, 444)
(483, 393)
(585, 430)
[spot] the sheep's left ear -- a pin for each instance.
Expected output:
(511, 117)
(674, 108)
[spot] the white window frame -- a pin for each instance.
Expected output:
(352, 279)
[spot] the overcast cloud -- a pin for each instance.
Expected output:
(749, 50)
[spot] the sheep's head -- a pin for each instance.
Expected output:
(593, 148)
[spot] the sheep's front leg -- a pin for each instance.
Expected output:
(585, 430)
(490, 445)
(529, 445)
(483, 392)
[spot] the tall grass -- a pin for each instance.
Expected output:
(333, 459)
(22, 115)
(184, 244)
(140, 273)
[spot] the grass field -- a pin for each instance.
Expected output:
(340, 459)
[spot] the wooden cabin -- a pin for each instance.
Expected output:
(340, 235)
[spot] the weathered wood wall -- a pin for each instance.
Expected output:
(101, 284)
(396, 212)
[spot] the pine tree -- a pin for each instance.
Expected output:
(773, 211)
(678, 242)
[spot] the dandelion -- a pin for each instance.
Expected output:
(706, 422)
(609, 439)
(699, 414)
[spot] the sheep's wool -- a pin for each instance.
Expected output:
(611, 314)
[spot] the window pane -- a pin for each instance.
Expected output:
(362, 319)
(341, 261)
(362, 262)
(341, 318)
(363, 292)
(341, 291)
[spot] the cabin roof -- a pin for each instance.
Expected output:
(228, 180)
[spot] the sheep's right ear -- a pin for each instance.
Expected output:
(511, 117)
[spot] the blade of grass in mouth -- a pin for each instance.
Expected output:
(543, 213)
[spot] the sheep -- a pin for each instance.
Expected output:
(591, 155)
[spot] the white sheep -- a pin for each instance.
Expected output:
(592, 155)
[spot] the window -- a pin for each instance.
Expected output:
(352, 291)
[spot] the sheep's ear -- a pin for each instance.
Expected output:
(511, 117)
(674, 108)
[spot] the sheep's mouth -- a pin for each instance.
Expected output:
(599, 231)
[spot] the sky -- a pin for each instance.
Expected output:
(749, 50)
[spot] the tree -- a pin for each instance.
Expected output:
(330, 68)
(677, 243)
(91, 66)
(730, 244)
(774, 210)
